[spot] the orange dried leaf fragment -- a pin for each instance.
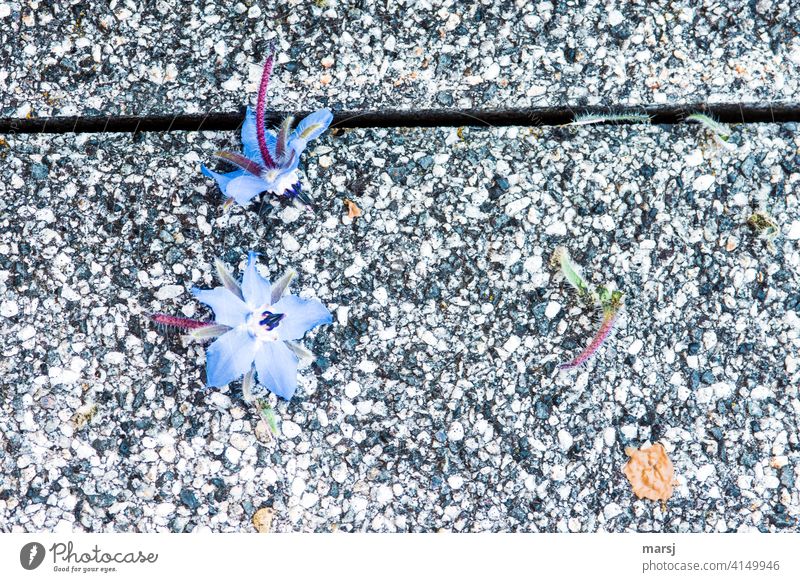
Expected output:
(353, 211)
(650, 472)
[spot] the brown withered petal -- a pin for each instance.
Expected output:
(353, 211)
(650, 472)
(262, 519)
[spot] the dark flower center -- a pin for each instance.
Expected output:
(270, 320)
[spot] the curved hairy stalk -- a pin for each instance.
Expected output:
(592, 118)
(611, 311)
(261, 108)
(610, 302)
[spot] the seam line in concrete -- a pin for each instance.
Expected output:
(527, 117)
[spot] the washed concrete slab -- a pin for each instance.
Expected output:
(433, 402)
(128, 58)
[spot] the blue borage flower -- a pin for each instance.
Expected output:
(255, 326)
(271, 159)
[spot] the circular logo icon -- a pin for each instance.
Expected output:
(31, 555)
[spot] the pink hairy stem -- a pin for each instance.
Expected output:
(609, 319)
(178, 322)
(261, 107)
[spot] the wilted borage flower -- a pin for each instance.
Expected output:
(255, 326)
(270, 161)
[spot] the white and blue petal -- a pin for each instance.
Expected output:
(301, 315)
(250, 138)
(230, 357)
(222, 179)
(313, 125)
(256, 290)
(244, 188)
(228, 308)
(310, 128)
(276, 365)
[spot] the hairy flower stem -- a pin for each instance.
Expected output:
(609, 319)
(267, 414)
(177, 322)
(261, 108)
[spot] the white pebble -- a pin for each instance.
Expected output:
(557, 228)
(703, 183)
(512, 343)
(290, 243)
(611, 511)
(168, 454)
(615, 17)
(565, 440)
(455, 481)
(794, 231)
(609, 436)
(517, 206)
(62, 376)
(165, 509)
(381, 296)
(26, 333)
(169, 292)
(233, 455)
(456, 431)
(704, 472)
(352, 390)
(635, 347)
(9, 308)
(367, 366)
(221, 400)
(290, 429)
(384, 494)
(552, 309)
(298, 486)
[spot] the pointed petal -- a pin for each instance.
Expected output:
(310, 128)
(208, 332)
(246, 164)
(300, 351)
(229, 357)
(247, 385)
(222, 179)
(283, 137)
(279, 288)
(313, 125)
(301, 315)
(277, 369)
(227, 279)
(228, 308)
(244, 188)
(255, 288)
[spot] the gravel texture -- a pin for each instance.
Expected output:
(432, 403)
(124, 57)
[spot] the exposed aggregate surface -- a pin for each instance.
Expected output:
(75, 57)
(433, 402)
